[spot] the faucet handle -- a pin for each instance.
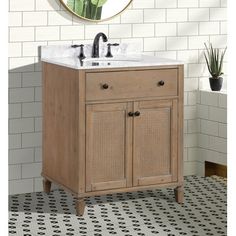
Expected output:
(75, 46)
(114, 44)
(81, 55)
(109, 48)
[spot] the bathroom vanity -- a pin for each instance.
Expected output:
(112, 126)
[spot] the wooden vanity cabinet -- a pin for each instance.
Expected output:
(155, 142)
(108, 146)
(108, 131)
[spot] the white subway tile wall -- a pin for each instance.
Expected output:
(212, 137)
(166, 28)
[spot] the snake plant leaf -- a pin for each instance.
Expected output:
(79, 5)
(87, 9)
(98, 3)
(90, 11)
(221, 62)
(217, 60)
(207, 61)
(76, 6)
(96, 12)
(208, 53)
(213, 64)
(71, 4)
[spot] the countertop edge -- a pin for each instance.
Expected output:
(168, 62)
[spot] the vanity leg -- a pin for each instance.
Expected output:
(80, 206)
(179, 194)
(46, 185)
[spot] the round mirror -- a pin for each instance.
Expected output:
(96, 10)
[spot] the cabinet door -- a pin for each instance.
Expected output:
(108, 146)
(155, 142)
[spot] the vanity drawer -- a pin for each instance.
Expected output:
(131, 84)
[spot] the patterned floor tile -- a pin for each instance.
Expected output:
(142, 213)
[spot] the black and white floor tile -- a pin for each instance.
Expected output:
(142, 213)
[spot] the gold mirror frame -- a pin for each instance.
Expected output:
(92, 20)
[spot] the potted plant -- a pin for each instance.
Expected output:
(214, 59)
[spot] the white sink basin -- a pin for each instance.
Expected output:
(114, 59)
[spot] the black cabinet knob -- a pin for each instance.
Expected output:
(130, 114)
(105, 86)
(137, 113)
(161, 83)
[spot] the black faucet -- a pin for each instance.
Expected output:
(95, 50)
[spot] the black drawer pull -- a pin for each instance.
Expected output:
(130, 114)
(105, 86)
(161, 83)
(137, 113)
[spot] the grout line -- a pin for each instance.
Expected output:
(212, 150)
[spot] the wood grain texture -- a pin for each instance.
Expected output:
(46, 185)
(80, 128)
(130, 189)
(153, 130)
(61, 185)
(59, 122)
(131, 84)
(90, 144)
(174, 139)
(180, 123)
(116, 190)
(80, 206)
(179, 194)
(215, 169)
(106, 143)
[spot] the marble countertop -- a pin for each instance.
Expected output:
(66, 56)
(75, 63)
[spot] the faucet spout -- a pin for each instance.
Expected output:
(95, 50)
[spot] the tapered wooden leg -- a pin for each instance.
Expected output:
(80, 206)
(47, 185)
(179, 194)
